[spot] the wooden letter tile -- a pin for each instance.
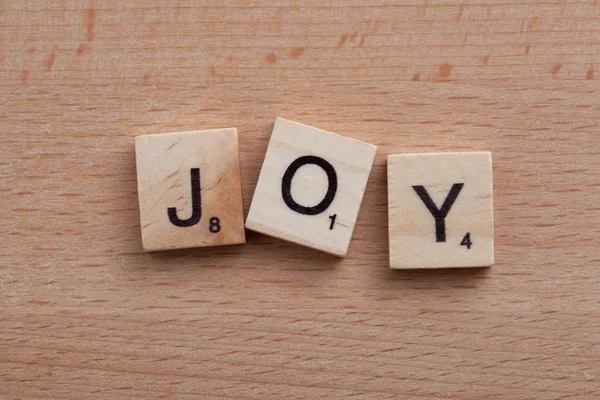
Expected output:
(310, 187)
(189, 189)
(440, 210)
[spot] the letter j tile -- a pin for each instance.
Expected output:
(189, 189)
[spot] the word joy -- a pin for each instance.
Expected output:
(309, 191)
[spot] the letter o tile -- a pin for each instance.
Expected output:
(311, 187)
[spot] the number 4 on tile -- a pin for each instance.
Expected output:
(466, 241)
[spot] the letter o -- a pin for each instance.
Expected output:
(286, 185)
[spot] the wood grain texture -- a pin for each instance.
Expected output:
(84, 314)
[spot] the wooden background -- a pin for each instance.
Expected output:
(84, 314)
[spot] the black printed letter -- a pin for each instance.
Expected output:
(439, 214)
(196, 203)
(286, 185)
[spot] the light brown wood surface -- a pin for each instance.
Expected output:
(84, 314)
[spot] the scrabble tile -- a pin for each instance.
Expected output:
(440, 210)
(189, 189)
(310, 187)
